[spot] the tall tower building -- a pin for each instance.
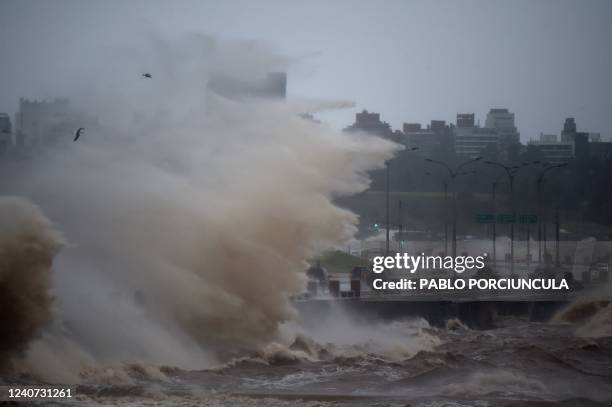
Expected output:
(465, 120)
(569, 130)
(472, 141)
(6, 131)
(272, 86)
(371, 123)
(502, 122)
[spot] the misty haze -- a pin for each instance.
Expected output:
(210, 203)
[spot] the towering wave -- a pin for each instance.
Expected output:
(189, 215)
(28, 244)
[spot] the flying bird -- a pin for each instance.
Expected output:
(78, 134)
(147, 75)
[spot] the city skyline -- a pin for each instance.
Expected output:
(405, 127)
(51, 120)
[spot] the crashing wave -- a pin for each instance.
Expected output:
(28, 244)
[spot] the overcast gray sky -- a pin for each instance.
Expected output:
(409, 60)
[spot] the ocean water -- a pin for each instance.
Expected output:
(567, 361)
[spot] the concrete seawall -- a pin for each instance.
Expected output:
(475, 314)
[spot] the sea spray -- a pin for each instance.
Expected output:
(190, 215)
(28, 243)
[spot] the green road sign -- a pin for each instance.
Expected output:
(507, 218)
(527, 218)
(485, 218)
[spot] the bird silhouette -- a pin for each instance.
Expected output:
(147, 75)
(78, 134)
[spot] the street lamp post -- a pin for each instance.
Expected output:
(445, 218)
(528, 244)
(399, 224)
(494, 225)
(493, 194)
(387, 202)
(557, 243)
(445, 206)
(511, 172)
(452, 176)
(539, 182)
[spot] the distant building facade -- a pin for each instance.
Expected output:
(572, 145)
(465, 120)
(426, 140)
(371, 123)
(586, 145)
(548, 138)
(6, 132)
(437, 136)
(272, 86)
(600, 150)
(594, 137)
(498, 138)
(42, 122)
(502, 122)
(472, 141)
(552, 150)
(569, 130)
(475, 142)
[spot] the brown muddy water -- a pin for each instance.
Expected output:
(567, 362)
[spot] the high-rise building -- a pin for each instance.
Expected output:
(569, 129)
(600, 150)
(426, 140)
(465, 120)
(39, 122)
(272, 86)
(594, 137)
(371, 123)
(472, 141)
(548, 138)
(573, 144)
(411, 127)
(438, 126)
(502, 121)
(586, 145)
(552, 150)
(6, 131)
(445, 134)
(48, 122)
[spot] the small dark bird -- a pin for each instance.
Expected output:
(147, 75)
(78, 134)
